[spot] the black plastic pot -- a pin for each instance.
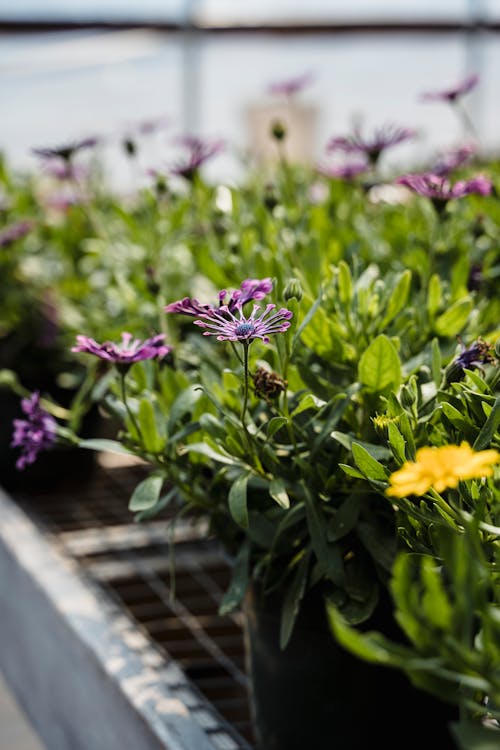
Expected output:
(315, 695)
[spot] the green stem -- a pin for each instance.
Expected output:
(127, 407)
(245, 384)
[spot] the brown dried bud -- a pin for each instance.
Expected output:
(268, 384)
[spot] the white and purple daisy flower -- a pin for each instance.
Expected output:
(127, 352)
(371, 147)
(453, 93)
(35, 433)
(199, 151)
(439, 188)
(229, 327)
(250, 289)
(291, 86)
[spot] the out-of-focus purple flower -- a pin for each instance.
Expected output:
(188, 306)
(447, 163)
(199, 151)
(130, 350)
(250, 289)
(439, 189)
(64, 170)
(67, 150)
(63, 200)
(348, 171)
(35, 433)
(227, 327)
(291, 86)
(453, 93)
(152, 125)
(470, 358)
(15, 232)
(371, 147)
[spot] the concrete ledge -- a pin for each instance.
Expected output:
(82, 673)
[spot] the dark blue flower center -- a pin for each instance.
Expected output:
(244, 330)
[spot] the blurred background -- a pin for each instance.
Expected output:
(74, 69)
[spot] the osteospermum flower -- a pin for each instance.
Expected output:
(35, 433)
(199, 151)
(471, 357)
(371, 147)
(454, 92)
(440, 468)
(65, 151)
(15, 232)
(348, 171)
(250, 289)
(441, 190)
(130, 350)
(291, 86)
(450, 161)
(228, 327)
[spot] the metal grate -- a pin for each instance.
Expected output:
(174, 607)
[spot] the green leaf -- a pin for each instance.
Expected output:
(398, 298)
(397, 442)
(237, 499)
(368, 465)
(103, 444)
(183, 404)
(344, 519)
(436, 362)
(328, 555)
(433, 296)
(278, 493)
(147, 493)
(345, 283)
(474, 736)
(380, 367)
(206, 450)
(151, 437)
(351, 471)
(292, 600)
(489, 428)
(275, 424)
(452, 321)
(309, 401)
(239, 581)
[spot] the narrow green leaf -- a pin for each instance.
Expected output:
(151, 437)
(103, 444)
(368, 465)
(489, 428)
(380, 367)
(452, 321)
(278, 493)
(237, 499)
(436, 362)
(309, 401)
(206, 450)
(433, 296)
(328, 555)
(351, 471)
(292, 600)
(147, 493)
(239, 581)
(397, 299)
(275, 424)
(397, 442)
(345, 283)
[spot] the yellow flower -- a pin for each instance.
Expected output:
(440, 468)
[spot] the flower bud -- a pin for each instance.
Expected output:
(278, 130)
(408, 397)
(292, 290)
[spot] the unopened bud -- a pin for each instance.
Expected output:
(292, 290)
(278, 130)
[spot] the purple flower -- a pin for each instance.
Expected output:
(348, 171)
(441, 190)
(382, 139)
(471, 357)
(15, 232)
(130, 350)
(250, 289)
(447, 163)
(64, 170)
(188, 306)
(65, 151)
(227, 327)
(199, 151)
(34, 434)
(292, 85)
(453, 93)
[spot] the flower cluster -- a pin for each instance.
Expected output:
(35, 433)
